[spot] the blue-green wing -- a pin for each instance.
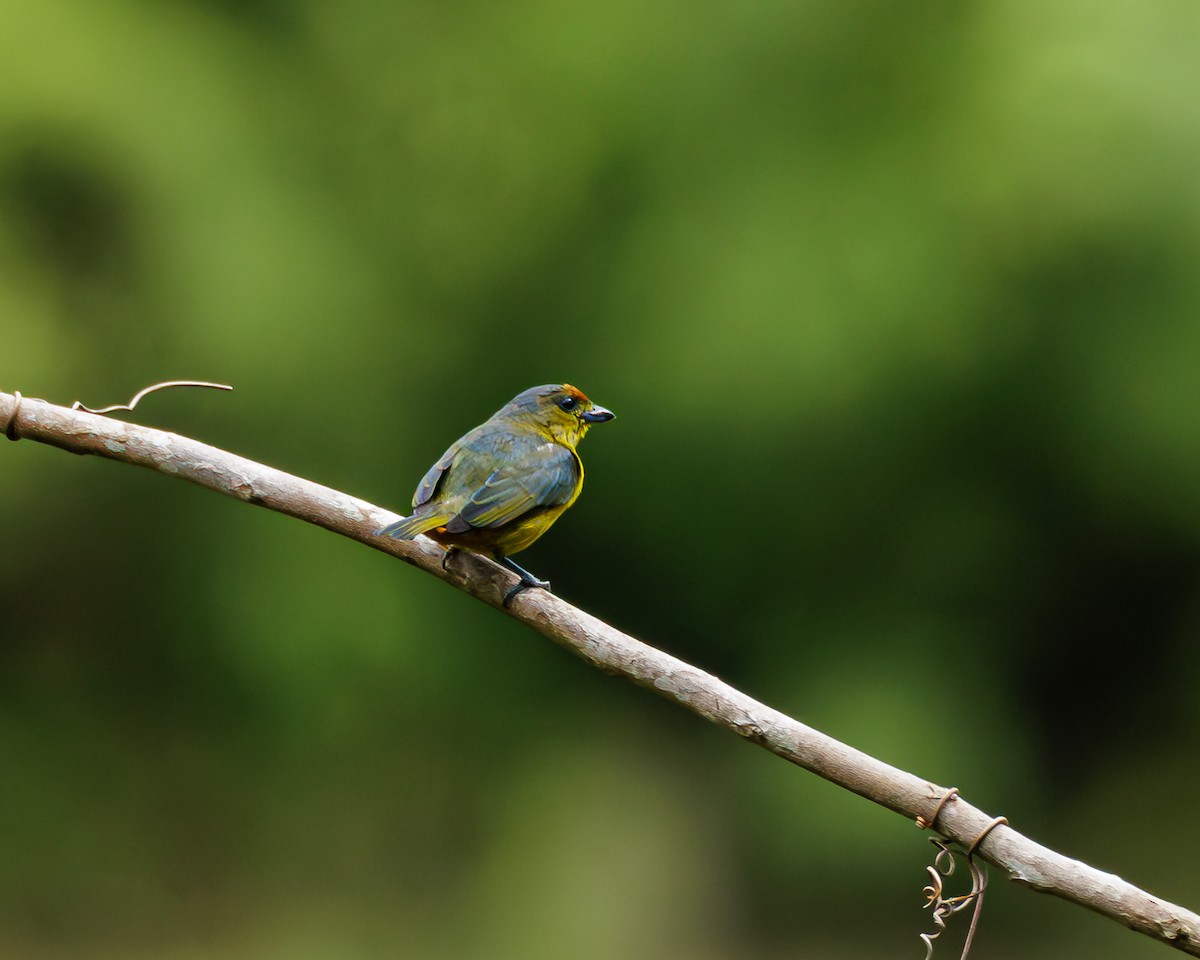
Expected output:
(429, 483)
(542, 478)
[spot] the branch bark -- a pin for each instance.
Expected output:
(1023, 860)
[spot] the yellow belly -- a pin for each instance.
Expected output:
(508, 539)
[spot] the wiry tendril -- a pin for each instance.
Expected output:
(10, 428)
(77, 405)
(943, 906)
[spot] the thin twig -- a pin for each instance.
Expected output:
(1024, 860)
(77, 405)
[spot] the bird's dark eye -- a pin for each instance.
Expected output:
(567, 403)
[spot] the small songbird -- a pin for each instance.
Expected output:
(501, 486)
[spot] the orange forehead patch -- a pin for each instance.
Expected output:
(575, 392)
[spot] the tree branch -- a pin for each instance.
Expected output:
(1025, 861)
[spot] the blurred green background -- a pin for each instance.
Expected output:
(898, 308)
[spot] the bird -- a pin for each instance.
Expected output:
(502, 485)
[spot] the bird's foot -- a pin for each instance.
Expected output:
(527, 579)
(524, 584)
(450, 554)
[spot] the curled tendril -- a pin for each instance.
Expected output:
(77, 405)
(10, 428)
(943, 906)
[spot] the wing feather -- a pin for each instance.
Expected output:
(433, 478)
(546, 477)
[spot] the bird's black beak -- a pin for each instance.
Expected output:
(598, 415)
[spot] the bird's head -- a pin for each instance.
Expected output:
(559, 411)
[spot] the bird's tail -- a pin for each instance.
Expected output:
(408, 527)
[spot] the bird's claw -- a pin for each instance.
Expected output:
(524, 584)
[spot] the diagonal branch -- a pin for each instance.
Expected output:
(1024, 860)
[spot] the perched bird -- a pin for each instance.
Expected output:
(501, 486)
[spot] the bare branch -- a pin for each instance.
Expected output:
(1025, 861)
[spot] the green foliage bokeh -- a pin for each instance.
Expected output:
(897, 307)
